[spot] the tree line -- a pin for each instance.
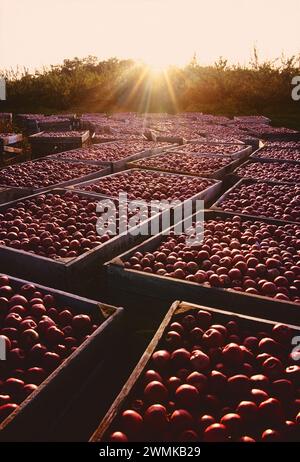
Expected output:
(90, 85)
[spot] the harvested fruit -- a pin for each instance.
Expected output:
(254, 257)
(148, 185)
(213, 406)
(212, 148)
(60, 226)
(110, 152)
(35, 353)
(44, 173)
(189, 163)
(65, 134)
(273, 171)
(277, 201)
(279, 153)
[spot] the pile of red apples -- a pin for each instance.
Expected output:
(273, 171)
(44, 173)
(39, 335)
(276, 201)
(148, 185)
(58, 226)
(248, 256)
(215, 380)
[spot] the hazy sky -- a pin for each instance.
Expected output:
(160, 32)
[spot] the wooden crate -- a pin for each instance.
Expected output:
(177, 309)
(78, 275)
(217, 174)
(103, 171)
(39, 411)
(10, 155)
(42, 146)
(252, 119)
(218, 203)
(208, 195)
(256, 156)
(120, 165)
(263, 161)
(170, 139)
(243, 153)
(45, 125)
(281, 136)
(113, 166)
(10, 194)
(151, 287)
(5, 121)
(11, 138)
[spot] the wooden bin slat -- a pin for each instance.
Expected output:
(10, 194)
(53, 140)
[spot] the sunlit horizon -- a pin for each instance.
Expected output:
(159, 33)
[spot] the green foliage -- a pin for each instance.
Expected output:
(90, 85)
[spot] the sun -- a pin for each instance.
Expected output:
(157, 69)
(156, 65)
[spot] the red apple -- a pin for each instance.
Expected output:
(247, 410)
(271, 411)
(197, 380)
(54, 335)
(232, 354)
(271, 436)
(173, 383)
(212, 338)
(51, 361)
(156, 418)
(258, 396)
(6, 410)
(181, 420)
(247, 439)
(131, 421)
(199, 360)
(35, 375)
(13, 386)
(38, 310)
(173, 339)
(4, 399)
(155, 392)
(151, 375)
(28, 338)
(28, 390)
(82, 324)
(160, 359)
(233, 424)
(187, 396)
(205, 421)
(118, 437)
(180, 358)
(215, 433)
(239, 384)
(204, 319)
